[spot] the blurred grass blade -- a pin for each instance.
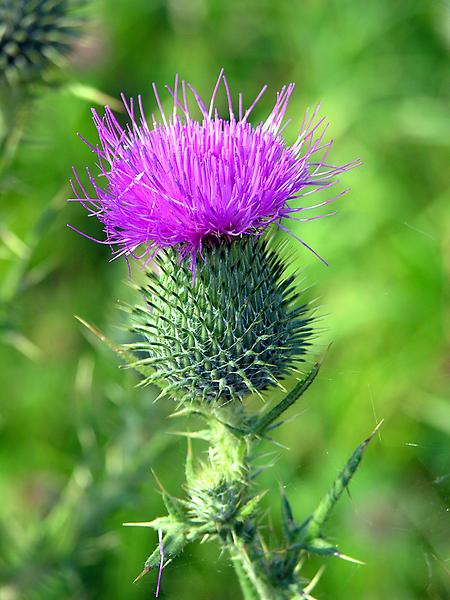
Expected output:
(93, 95)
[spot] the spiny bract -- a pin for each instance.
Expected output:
(235, 328)
(34, 34)
(215, 504)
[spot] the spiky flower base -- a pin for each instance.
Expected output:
(234, 327)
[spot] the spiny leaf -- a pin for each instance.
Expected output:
(287, 517)
(266, 420)
(164, 523)
(312, 527)
(349, 558)
(173, 546)
(174, 507)
(319, 546)
(249, 508)
(126, 356)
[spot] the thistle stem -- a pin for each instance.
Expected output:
(249, 590)
(13, 115)
(252, 584)
(229, 455)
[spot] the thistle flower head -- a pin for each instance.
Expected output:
(184, 181)
(34, 35)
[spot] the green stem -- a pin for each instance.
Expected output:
(14, 113)
(247, 572)
(229, 455)
(248, 589)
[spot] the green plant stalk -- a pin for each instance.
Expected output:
(230, 452)
(264, 574)
(229, 455)
(13, 116)
(248, 576)
(248, 589)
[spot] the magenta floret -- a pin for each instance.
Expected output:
(185, 181)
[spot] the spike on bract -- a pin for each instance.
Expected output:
(236, 330)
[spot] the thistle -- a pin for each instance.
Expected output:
(185, 181)
(219, 319)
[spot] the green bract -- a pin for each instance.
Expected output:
(235, 327)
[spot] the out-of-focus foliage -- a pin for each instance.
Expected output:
(77, 441)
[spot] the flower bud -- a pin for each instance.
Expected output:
(234, 327)
(215, 502)
(33, 36)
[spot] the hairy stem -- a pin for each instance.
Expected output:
(248, 588)
(242, 561)
(229, 455)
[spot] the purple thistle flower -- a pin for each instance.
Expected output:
(184, 182)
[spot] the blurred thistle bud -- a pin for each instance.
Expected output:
(214, 500)
(34, 37)
(235, 329)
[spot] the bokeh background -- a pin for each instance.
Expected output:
(78, 440)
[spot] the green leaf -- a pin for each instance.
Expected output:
(312, 527)
(287, 517)
(125, 355)
(164, 523)
(249, 508)
(266, 420)
(173, 546)
(320, 546)
(174, 507)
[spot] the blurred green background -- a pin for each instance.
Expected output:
(77, 440)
